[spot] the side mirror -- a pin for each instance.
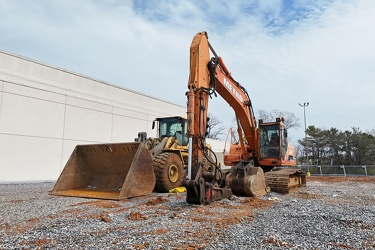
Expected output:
(285, 133)
(153, 124)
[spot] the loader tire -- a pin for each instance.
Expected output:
(168, 172)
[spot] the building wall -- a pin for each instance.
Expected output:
(46, 111)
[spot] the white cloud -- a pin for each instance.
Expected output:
(283, 52)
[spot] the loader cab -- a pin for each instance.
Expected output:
(173, 127)
(273, 142)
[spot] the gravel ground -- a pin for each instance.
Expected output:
(330, 213)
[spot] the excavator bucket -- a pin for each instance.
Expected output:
(114, 171)
(247, 180)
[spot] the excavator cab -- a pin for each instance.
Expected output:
(275, 154)
(273, 143)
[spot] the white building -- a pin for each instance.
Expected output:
(46, 111)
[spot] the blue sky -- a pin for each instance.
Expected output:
(283, 52)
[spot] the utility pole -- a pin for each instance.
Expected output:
(304, 105)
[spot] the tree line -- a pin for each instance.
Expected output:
(335, 147)
(323, 146)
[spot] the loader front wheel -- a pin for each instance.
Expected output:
(168, 172)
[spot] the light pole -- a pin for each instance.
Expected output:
(304, 105)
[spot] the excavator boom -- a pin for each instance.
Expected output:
(209, 76)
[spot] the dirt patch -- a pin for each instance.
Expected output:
(160, 231)
(5, 226)
(118, 211)
(136, 216)
(104, 217)
(41, 242)
(141, 246)
(213, 214)
(21, 228)
(255, 202)
(276, 242)
(158, 200)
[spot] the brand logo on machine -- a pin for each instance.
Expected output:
(233, 90)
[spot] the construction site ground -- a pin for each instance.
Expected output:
(330, 213)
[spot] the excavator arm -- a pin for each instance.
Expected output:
(208, 77)
(205, 181)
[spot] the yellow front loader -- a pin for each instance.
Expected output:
(119, 171)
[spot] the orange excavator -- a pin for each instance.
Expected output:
(261, 161)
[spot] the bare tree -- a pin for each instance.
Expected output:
(372, 132)
(214, 127)
(290, 119)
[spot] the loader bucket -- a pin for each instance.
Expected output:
(114, 171)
